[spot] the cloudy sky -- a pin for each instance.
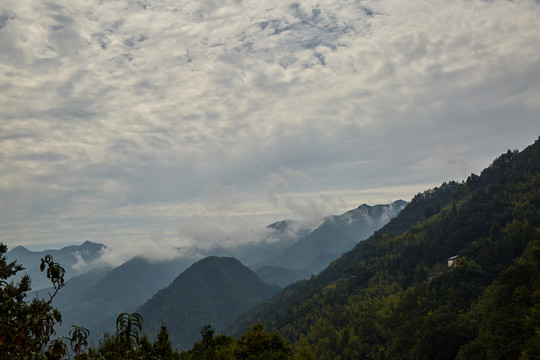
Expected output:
(181, 122)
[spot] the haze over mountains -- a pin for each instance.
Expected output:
(276, 239)
(120, 290)
(288, 252)
(76, 259)
(336, 235)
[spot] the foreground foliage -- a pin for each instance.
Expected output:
(26, 327)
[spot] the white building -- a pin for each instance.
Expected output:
(452, 261)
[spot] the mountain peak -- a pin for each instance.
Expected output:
(88, 243)
(214, 290)
(279, 225)
(19, 249)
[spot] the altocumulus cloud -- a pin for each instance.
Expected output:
(140, 121)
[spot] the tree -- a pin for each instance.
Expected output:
(259, 344)
(162, 348)
(205, 348)
(78, 337)
(26, 327)
(128, 327)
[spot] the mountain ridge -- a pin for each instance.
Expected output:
(75, 259)
(336, 235)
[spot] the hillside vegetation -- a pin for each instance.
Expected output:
(394, 297)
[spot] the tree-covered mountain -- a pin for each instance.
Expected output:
(120, 290)
(214, 290)
(76, 259)
(395, 297)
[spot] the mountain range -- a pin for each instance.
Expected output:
(336, 235)
(277, 238)
(75, 259)
(95, 299)
(289, 251)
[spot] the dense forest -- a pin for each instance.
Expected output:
(394, 296)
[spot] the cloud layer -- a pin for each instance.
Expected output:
(136, 121)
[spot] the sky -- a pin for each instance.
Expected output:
(149, 124)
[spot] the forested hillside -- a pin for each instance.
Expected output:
(394, 297)
(214, 291)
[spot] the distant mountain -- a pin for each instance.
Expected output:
(336, 235)
(122, 289)
(278, 237)
(74, 287)
(361, 222)
(213, 291)
(75, 259)
(395, 295)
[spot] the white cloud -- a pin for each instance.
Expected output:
(207, 232)
(275, 184)
(223, 197)
(444, 157)
(125, 249)
(295, 174)
(81, 263)
(122, 117)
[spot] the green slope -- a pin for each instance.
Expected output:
(214, 291)
(393, 296)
